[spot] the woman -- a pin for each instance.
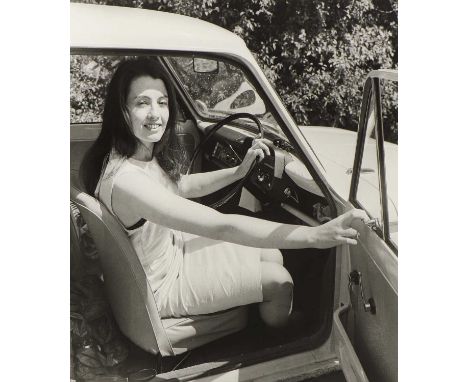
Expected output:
(197, 260)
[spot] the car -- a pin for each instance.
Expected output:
(348, 294)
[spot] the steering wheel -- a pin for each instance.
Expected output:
(210, 134)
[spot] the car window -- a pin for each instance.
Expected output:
(89, 76)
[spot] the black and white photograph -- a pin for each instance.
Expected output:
(210, 190)
(234, 190)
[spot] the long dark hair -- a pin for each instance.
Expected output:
(116, 131)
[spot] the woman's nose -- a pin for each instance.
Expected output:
(154, 111)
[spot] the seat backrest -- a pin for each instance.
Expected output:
(83, 135)
(127, 287)
(189, 138)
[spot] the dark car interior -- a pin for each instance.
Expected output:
(276, 197)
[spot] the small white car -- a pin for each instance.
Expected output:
(349, 294)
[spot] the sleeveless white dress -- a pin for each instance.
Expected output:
(189, 274)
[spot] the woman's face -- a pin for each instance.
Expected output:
(148, 105)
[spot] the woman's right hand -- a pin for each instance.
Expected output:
(339, 230)
(258, 150)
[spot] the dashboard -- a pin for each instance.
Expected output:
(280, 179)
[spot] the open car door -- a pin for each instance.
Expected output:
(366, 324)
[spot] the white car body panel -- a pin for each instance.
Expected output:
(336, 149)
(107, 27)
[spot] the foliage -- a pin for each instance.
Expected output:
(89, 77)
(315, 53)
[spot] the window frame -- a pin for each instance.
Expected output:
(372, 88)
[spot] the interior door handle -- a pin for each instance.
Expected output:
(355, 278)
(374, 224)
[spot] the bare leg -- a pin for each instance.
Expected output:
(277, 286)
(272, 256)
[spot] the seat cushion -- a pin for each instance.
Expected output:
(188, 333)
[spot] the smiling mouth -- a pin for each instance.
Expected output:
(153, 126)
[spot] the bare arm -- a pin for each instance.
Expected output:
(205, 183)
(147, 199)
(196, 185)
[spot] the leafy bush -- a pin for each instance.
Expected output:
(89, 77)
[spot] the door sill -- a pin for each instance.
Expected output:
(297, 367)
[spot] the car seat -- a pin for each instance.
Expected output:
(130, 295)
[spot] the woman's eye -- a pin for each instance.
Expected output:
(142, 102)
(163, 101)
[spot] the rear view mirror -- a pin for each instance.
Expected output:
(205, 65)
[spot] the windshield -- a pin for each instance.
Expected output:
(221, 91)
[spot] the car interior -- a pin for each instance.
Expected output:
(280, 188)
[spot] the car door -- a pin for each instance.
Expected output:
(371, 317)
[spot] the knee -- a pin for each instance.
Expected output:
(272, 255)
(277, 283)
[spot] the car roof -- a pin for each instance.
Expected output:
(109, 27)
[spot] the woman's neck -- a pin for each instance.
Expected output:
(144, 152)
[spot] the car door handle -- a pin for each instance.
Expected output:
(355, 278)
(374, 224)
(364, 170)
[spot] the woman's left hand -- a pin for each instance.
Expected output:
(258, 150)
(340, 230)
